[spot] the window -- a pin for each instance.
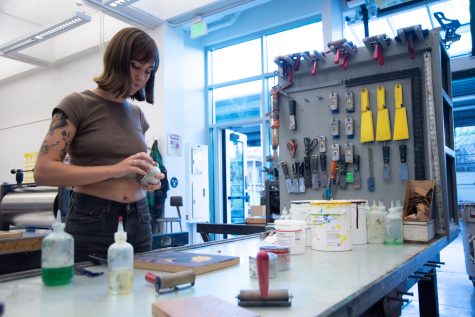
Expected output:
(465, 163)
(240, 77)
(423, 15)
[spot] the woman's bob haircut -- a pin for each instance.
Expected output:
(127, 45)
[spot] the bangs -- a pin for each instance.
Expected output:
(145, 52)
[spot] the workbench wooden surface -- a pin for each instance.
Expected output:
(322, 283)
(29, 241)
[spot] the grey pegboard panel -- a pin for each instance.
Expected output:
(313, 115)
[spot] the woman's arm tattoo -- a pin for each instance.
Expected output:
(59, 122)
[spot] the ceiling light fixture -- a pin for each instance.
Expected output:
(17, 45)
(123, 10)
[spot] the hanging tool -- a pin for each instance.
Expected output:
(323, 169)
(342, 168)
(370, 180)
(407, 35)
(367, 130)
(295, 179)
(386, 166)
(292, 111)
(263, 297)
(333, 102)
(309, 145)
(275, 122)
(434, 172)
(403, 170)
(343, 50)
(287, 65)
(356, 172)
(375, 45)
(288, 180)
(401, 130)
(292, 147)
(349, 127)
(296, 59)
(383, 127)
(314, 58)
(315, 174)
(301, 172)
(335, 128)
(450, 36)
(349, 101)
(165, 283)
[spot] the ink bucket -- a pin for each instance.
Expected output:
(290, 233)
(331, 225)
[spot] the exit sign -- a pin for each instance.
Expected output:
(198, 28)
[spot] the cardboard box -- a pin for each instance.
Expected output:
(417, 230)
(258, 211)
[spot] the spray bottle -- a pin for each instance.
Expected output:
(375, 224)
(393, 225)
(120, 260)
(57, 255)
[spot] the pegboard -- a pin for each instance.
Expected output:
(313, 116)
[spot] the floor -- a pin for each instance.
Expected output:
(456, 291)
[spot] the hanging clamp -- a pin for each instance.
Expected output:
(376, 44)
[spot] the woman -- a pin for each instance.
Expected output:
(104, 136)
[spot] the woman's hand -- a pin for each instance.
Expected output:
(152, 187)
(135, 164)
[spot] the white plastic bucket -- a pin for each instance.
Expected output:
(302, 212)
(290, 233)
(331, 225)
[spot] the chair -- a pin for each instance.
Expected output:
(175, 201)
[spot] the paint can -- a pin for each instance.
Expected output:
(301, 212)
(290, 233)
(358, 222)
(331, 225)
(272, 266)
(283, 256)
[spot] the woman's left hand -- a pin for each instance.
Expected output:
(154, 187)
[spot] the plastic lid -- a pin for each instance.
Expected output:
(58, 225)
(120, 235)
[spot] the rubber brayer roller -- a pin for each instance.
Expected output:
(171, 282)
(264, 297)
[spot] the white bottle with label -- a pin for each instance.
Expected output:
(393, 226)
(120, 260)
(375, 224)
(57, 255)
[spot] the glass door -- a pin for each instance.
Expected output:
(235, 187)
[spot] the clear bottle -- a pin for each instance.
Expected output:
(393, 226)
(375, 224)
(120, 260)
(57, 255)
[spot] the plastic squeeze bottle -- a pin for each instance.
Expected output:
(57, 255)
(375, 224)
(120, 260)
(393, 226)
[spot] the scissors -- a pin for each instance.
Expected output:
(292, 147)
(310, 145)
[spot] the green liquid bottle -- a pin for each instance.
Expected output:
(57, 256)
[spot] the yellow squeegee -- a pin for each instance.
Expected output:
(383, 128)
(401, 130)
(367, 130)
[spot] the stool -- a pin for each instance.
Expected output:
(175, 201)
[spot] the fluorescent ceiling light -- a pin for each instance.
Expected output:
(123, 10)
(17, 45)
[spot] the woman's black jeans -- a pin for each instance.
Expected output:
(92, 221)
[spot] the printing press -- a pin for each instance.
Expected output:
(27, 209)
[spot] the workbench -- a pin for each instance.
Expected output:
(322, 283)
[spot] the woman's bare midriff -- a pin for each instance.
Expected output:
(124, 190)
